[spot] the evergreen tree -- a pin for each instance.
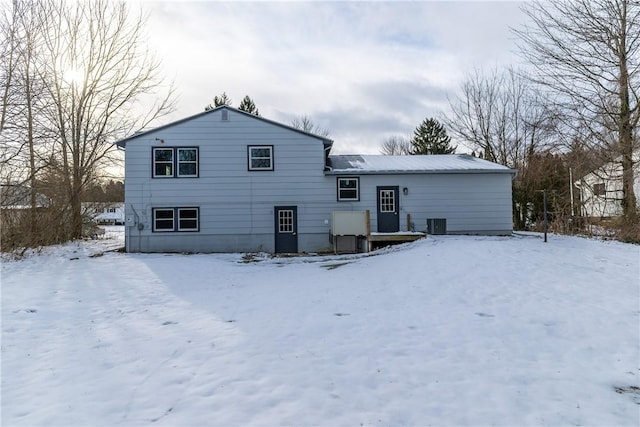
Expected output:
(431, 138)
(249, 106)
(218, 101)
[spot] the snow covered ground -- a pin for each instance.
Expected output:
(444, 331)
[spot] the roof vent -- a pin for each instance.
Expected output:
(225, 115)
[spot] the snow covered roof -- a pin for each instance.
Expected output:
(18, 196)
(440, 163)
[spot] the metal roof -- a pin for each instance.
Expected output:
(437, 163)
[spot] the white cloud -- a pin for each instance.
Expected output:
(363, 70)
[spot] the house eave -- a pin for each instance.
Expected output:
(419, 172)
(123, 142)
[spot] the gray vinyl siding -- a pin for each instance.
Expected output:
(236, 206)
(471, 203)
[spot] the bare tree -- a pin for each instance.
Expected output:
(96, 68)
(23, 97)
(500, 115)
(396, 145)
(304, 123)
(588, 53)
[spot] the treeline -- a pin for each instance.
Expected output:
(572, 108)
(74, 78)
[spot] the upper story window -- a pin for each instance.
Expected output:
(162, 162)
(260, 157)
(188, 162)
(170, 162)
(348, 189)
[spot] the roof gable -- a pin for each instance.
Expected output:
(123, 142)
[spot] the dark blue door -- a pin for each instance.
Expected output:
(286, 229)
(388, 206)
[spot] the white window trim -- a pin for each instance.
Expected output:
(387, 202)
(179, 162)
(175, 219)
(357, 189)
(164, 230)
(250, 148)
(175, 162)
(154, 162)
(196, 219)
(285, 221)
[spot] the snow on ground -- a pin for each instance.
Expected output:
(444, 331)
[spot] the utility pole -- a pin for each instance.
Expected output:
(544, 202)
(571, 192)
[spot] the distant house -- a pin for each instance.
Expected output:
(601, 190)
(105, 213)
(225, 181)
(17, 197)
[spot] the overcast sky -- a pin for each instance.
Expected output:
(363, 70)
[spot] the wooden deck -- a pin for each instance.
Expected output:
(401, 236)
(375, 240)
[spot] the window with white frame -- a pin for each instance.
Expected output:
(348, 189)
(387, 201)
(188, 219)
(260, 157)
(163, 219)
(187, 162)
(176, 219)
(285, 221)
(171, 162)
(163, 162)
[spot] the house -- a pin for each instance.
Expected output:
(17, 197)
(601, 189)
(227, 181)
(105, 213)
(15, 203)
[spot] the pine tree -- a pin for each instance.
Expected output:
(431, 138)
(218, 101)
(249, 106)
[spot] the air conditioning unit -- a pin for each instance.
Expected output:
(436, 226)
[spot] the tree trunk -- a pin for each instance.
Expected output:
(625, 129)
(33, 200)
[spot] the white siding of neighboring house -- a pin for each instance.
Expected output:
(112, 213)
(601, 190)
(104, 212)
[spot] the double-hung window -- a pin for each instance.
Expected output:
(348, 189)
(162, 162)
(187, 162)
(172, 162)
(176, 219)
(163, 219)
(188, 219)
(260, 157)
